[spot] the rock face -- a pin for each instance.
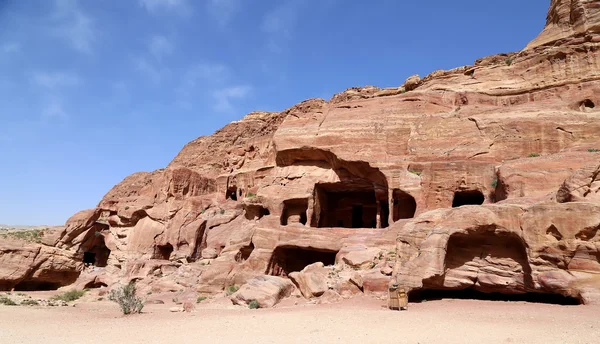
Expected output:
(484, 178)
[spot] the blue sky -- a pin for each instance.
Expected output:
(94, 90)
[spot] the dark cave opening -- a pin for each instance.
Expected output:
(349, 206)
(35, 286)
(256, 212)
(163, 252)
(95, 285)
(97, 253)
(405, 205)
(471, 294)
(587, 104)
(232, 193)
(295, 210)
(244, 253)
(470, 197)
(286, 260)
(89, 258)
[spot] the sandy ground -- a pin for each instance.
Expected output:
(362, 321)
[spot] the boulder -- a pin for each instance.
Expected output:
(412, 82)
(312, 280)
(266, 290)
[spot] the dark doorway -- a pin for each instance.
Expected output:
(294, 210)
(357, 216)
(385, 214)
(470, 197)
(405, 205)
(232, 193)
(470, 294)
(89, 258)
(349, 205)
(256, 212)
(244, 253)
(163, 251)
(286, 260)
(96, 253)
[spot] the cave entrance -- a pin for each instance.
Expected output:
(95, 284)
(163, 251)
(96, 252)
(470, 197)
(256, 212)
(405, 205)
(232, 193)
(471, 294)
(286, 260)
(35, 286)
(357, 216)
(486, 265)
(294, 211)
(89, 258)
(244, 253)
(350, 205)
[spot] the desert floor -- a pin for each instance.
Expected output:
(363, 320)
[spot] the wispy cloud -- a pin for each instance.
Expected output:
(160, 46)
(54, 80)
(279, 23)
(10, 48)
(224, 97)
(149, 70)
(149, 63)
(215, 82)
(52, 87)
(73, 25)
(213, 73)
(223, 11)
(180, 7)
(54, 110)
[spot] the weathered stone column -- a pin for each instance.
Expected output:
(378, 214)
(391, 206)
(309, 212)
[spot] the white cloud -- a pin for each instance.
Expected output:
(178, 6)
(160, 46)
(11, 47)
(282, 19)
(148, 69)
(54, 80)
(210, 72)
(54, 109)
(223, 11)
(73, 25)
(225, 96)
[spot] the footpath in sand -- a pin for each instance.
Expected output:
(353, 321)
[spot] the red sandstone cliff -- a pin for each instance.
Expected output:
(482, 177)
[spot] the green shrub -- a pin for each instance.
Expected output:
(509, 61)
(222, 212)
(253, 305)
(29, 302)
(200, 299)
(495, 182)
(231, 289)
(250, 195)
(7, 301)
(69, 296)
(418, 173)
(593, 150)
(126, 298)
(533, 155)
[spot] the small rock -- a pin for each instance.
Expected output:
(176, 309)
